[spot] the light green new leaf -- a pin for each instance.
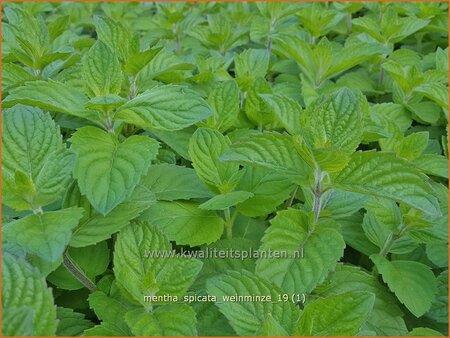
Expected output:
(413, 283)
(312, 252)
(107, 170)
(142, 275)
(185, 223)
(385, 175)
(25, 293)
(53, 96)
(339, 315)
(432, 164)
(205, 147)
(171, 182)
(223, 201)
(166, 107)
(287, 110)
(35, 164)
(45, 235)
(168, 320)
(101, 71)
(270, 150)
(334, 120)
(247, 317)
(114, 34)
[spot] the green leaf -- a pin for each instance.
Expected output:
(101, 71)
(111, 312)
(45, 235)
(71, 323)
(269, 150)
(53, 96)
(385, 175)
(224, 101)
(269, 190)
(413, 283)
(312, 251)
(247, 317)
(287, 110)
(205, 147)
(25, 293)
(432, 164)
(92, 260)
(107, 170)
(339, 315)
(171, 182)
(167, 107)
(168, 320)
(224, 201)
(142, 275)
(251, 64)
(386, 316)
(423, 332)
(334, 121)
(18, 321)
(36, 166)
(114, 35)
(185, 223)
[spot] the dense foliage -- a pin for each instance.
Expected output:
(132, 128)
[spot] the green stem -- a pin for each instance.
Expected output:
(292, 198)
(228, 223)
(317, 191)
(77, 272)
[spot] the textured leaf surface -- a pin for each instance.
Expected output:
(101, 70)
(168, 320)
(185, 223)
(51, 95)
(335, 120)
(385, 175)
(45, 235)
(340, 315)
(246, 317)
(221, 202)
(145, 276)
(71, 323)
(171, 182)
(269, 190)
(413, 283)
(386, 316)
(270, 150)
(166, 108)
(205, 147)
(107, 170)
(25, 293)
(292, 231)
(35, 165)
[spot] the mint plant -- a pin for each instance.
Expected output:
(153, 154)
